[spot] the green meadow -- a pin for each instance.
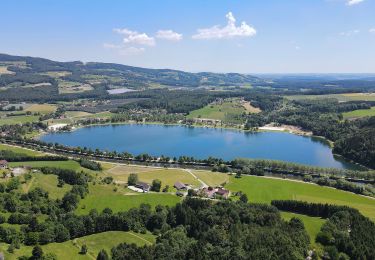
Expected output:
(264, 190)
(105, 196)
(70, 249)
(47, 182)
(312, 224)
(70, 165)
(13, 120)
(360, 113)
(20, 150)
(225, 111)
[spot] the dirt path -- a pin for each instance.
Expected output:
(28, 186)
(195, 177)
(141, 238)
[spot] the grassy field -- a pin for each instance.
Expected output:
(47, 183)
(57, 74)
(70, 249)
(13, 120)
(104, 196)
(71, 165)
(66, 87)
(167, 176)
(339, 97)
(77, 114)
(20, 150)
(212, 179)
(260, 189)
(312, 224)
(224, 111)
(360, 113)
(42, 108)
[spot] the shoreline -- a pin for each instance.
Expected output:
(288, 129)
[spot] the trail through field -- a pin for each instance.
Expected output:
(77, 245)
(141, 238)
(28, 186)
(195, 177)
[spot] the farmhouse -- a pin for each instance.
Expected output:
(223, 193)
(180, 186)
(212, 193)
(143, 186)
(3, 164)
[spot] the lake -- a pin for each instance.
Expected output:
(174, 141)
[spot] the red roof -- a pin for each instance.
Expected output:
(222, 192)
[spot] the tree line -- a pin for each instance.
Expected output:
(346, 234)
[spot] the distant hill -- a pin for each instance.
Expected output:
(15, 70)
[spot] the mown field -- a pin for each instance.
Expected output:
(105, 196)
(42, 108)
(264, 190)
(339, 97)
(360, 113)
(70, 249)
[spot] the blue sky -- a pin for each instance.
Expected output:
(247, 36)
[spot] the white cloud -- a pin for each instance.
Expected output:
(169, 35)
(226, 32)
(353, 2)
(133, 37)
(349, 33)
(372, 30)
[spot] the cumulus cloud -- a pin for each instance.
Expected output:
(134, 37)
(227, 32)
(169, 35)
(353, 2)
(349, 33)
(372, 30)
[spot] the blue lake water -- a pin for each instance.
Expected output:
(201, 143)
